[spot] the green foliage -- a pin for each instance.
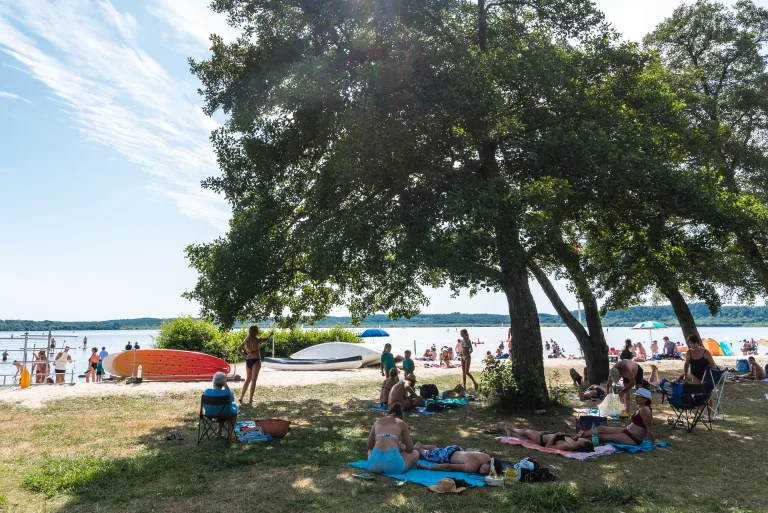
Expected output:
(64, 475)
(558, 392)
(144, 323)
(188, 334)
(498, 384)
(546, 498)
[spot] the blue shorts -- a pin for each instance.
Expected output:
(442, 455)
(386, 462)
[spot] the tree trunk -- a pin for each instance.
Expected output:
(592, 342)
(527, 350)
(482, 28)
(683, 313)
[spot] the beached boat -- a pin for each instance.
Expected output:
(369, 353)
(301, 364)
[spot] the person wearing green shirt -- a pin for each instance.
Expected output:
(387, 359)
(408, 365)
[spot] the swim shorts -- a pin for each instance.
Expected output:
(441, 455)
(386, 462)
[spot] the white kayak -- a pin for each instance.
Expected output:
(368, 352)
(321, 364)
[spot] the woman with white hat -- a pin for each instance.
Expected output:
(638, 430)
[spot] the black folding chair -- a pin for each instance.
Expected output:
(211, 427)
(690, 403)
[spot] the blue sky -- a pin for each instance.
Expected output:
(103, 144)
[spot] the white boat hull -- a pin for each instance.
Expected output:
(368, 352)
(305, 364)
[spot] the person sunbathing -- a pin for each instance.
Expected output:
(455, 459)
(756, 372)
(641, 354)
(445, 359)
(457, 391)
(404, 394)
(386, 387)
(550, 439)
(390, 446)
(594, 391)
(640, 428)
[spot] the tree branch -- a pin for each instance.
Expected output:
(573, 324)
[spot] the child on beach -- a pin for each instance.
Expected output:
(387, 359)
(408, 365)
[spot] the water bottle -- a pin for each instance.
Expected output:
(138, 372)
(595, 439)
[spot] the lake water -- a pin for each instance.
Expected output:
(402, 338)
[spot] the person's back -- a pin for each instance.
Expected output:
(219, 388)
(384, 442)
(759, 371)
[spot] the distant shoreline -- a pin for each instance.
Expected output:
(729, 317)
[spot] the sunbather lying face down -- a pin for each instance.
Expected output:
(550, 439)
(454, 459)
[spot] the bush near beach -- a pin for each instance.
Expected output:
(188, 334)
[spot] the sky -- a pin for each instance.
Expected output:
(103, 144)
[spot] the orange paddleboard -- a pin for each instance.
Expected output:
(165, 365)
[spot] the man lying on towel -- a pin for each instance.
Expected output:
(454, 459)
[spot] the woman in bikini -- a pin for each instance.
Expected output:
(390, 446)
(466, 358)
(386, 387)
(250, 349)
(551, 439)
(697, 359)
(41, 368)
(638, 430)
(93, 363)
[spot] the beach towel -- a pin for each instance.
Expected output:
(601, 450)
(646, 446)
(417, 411)
(458, 402)
(427, 477)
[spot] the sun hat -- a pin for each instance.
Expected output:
(643, 392)
(446, 485)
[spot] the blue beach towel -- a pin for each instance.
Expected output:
(417, 411)
(646, 446)
(427, 477)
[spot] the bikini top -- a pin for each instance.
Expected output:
(637, 420)
(387, 435)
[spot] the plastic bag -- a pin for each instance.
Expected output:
(611, 406)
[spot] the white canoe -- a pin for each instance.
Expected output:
(368, 352)
(325, 364)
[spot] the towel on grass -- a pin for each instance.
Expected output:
(417, 411)
(646, 446)
(456, 402)
(601, 450)
(427, 477)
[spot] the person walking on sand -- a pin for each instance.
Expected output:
(250, 349)
(466, 358)
(60, 364)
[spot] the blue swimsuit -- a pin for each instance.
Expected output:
(441, 455)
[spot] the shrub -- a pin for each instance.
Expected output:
(188, 334)
(498, 384)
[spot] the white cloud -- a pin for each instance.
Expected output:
(118, 95)
(12, 96)
(191, 24)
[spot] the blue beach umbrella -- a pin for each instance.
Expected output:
(650, 325)
(374, 332)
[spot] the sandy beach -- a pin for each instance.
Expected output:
(38, 395)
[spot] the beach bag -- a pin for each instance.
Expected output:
(742, 366)
(528, 471)
(429, 391)
(611, 406)
(25, 380)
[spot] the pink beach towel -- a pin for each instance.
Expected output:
(601, 450)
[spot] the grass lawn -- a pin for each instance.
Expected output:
(109, 454)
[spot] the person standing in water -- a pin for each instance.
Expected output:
(250, 349)
(466, 358)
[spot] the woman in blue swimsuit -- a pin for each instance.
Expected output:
(385, 455)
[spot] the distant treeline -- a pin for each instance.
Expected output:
(729, 316)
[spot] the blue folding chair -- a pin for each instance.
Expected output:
(690, 402)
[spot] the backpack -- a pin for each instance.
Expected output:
(429, 391)
(528, 471)
(743, 366)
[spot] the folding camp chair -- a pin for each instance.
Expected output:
(690, 403)
(211, 427)
(714, 380)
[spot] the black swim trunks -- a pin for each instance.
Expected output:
(638, 378)
(250, 362)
